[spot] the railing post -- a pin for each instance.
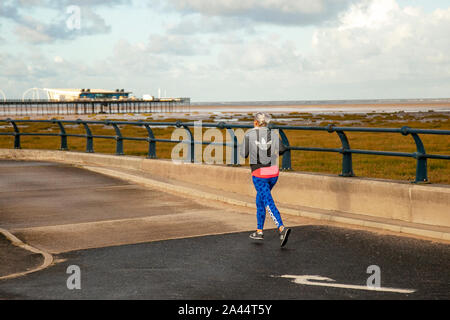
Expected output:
(347, 162)
(16, 134)
(234, 150)
(62, 134)
(89, 138)
(192, 144)
(420, 156)
(118, 138)
(234, 145)
(192, 141)
(286, 164)
(151, 143)
(421, 168)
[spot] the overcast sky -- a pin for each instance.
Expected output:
(229, 50)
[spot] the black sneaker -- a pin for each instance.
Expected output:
(257, 236)
(284, 235)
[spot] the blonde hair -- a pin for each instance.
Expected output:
(262, 119)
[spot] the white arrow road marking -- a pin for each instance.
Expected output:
(313, 281)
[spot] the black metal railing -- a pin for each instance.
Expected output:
(420, 155)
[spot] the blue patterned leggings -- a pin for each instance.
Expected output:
(264, 201)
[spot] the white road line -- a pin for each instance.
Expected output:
(313, 281)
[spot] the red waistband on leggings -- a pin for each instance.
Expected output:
(266, 172)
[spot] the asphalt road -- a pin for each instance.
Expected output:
(15, 259)
(182, 249)
(233, 267)
(60, 208)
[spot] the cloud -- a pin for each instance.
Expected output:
(373, 49)
(9, 9)
(385, 40)
(379, 49)
(2, 40)
(61, 4)
(282, 12)
(12, 67)
(265, 53)
(175, 45)
(199, 24)
(36, 30)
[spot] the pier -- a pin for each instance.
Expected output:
(47, 107)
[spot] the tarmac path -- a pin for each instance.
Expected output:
(131, 242)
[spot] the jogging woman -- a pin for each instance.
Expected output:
(264, 146)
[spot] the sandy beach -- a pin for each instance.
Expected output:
(330, 108)
(198, 112)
